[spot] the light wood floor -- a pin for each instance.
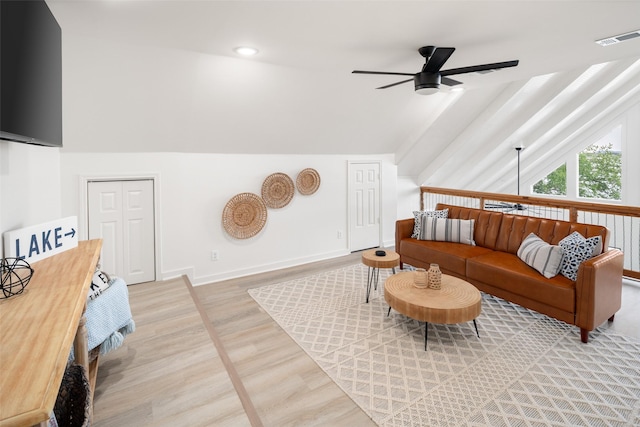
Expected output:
(236, 367)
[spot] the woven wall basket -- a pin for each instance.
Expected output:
(308, 181)
(277, 190)
(244, 215)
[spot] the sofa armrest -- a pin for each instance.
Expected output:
(599, 289)
(404, 229)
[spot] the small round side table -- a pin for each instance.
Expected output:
(375, 263)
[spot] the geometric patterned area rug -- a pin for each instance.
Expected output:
(526, 369)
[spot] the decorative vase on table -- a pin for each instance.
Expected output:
(420, 278)
(435, 276)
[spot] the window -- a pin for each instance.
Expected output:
(600, 168)
(553, 184)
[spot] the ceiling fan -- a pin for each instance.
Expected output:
(428, 80)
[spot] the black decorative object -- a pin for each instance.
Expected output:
(15, 275)
(73, 404)
(381, 253)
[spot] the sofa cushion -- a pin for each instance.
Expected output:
(506, 271)
(448, 230)
(486, 227)
(540, 255)
(419, 217)
(451, 257)
(577, 249)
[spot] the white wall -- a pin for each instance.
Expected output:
(194, 188)
(408, 197)
(118, 94)
(29, 185)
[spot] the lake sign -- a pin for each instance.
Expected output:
(43, 240)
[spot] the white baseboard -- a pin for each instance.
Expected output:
(264, 268)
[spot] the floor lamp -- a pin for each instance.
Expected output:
(518, 149)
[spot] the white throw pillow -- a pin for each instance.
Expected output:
(448, 230)
(545, 258)
(419, 217)
(99, 284)
(577, 249)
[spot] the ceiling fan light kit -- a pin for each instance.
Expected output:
(428, 80)
(427, 83)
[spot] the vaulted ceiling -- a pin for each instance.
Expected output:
(298, 96)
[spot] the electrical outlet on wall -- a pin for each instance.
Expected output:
(214, 256)
(339, 234)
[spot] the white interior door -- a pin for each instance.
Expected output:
(121, 213)
(364, 205)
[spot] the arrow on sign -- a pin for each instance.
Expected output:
(72, 233)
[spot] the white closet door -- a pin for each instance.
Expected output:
(121, 213)
(364, 205)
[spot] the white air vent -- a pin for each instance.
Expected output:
(618, 39)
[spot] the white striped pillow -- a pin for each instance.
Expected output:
(448, 230)
(545, 258)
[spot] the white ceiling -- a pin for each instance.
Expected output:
(309, 48)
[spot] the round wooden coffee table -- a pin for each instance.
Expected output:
(375, 263)
(456, 302)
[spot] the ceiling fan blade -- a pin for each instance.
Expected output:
(476, 68)
(437, 60)
(382, 72)
(395, 84)
(449, 82)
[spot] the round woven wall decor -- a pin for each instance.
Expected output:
(308, 181)
(277, 190)
(244, 215)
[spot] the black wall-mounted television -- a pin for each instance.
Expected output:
(30, 73)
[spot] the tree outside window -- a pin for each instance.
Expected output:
(600, 172)
(553, 184)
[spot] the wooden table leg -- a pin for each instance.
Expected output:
(81, 354)
(80, 344)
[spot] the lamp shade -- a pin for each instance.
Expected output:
(427, 90)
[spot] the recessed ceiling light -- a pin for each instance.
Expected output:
(245, 50)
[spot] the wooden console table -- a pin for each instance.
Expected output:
(38, 328)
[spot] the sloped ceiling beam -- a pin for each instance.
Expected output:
(566, 127)
(537, 113)
(581, 132)
(408, 146)
(440, 168)
(533, 97)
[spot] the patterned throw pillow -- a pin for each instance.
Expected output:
(576, 250)
(545, 258)
(419, 217)
(448, 230)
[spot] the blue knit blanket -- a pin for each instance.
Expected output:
(109, 317)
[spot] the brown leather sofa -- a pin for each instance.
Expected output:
(493, 266)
